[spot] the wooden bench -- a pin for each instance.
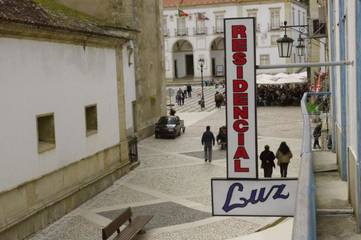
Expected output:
(135, 226)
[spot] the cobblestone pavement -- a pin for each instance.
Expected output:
(191, 103)
(173, 184)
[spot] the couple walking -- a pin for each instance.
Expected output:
(283, 156)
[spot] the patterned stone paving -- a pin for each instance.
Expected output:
(163, 214)
(173, 183)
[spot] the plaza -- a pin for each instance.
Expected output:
(172, 183)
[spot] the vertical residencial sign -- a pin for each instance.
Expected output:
(241, 108)
(243, 193)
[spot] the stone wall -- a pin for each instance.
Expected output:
(38, 203)
(145, 20)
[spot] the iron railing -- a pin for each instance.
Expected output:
(181, 31)
(304, 223)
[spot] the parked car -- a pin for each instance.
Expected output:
(169, 126)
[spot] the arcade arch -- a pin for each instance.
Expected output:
(217, 57)
(183, 60)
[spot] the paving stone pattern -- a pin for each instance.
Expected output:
(173, 183)
(191, 103)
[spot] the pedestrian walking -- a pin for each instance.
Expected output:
(182, 98)
(208, 141)
(267, 157)
(283, 156)
(185, 91)
(316, 136)
(189, 90)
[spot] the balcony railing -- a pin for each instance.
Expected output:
(200, 30)
(304, 221)
(218, 29)
(181, 31)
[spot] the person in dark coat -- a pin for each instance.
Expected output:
(283, 156)
(189, 90)
(267, 157)
(208, 141)
(316, 136)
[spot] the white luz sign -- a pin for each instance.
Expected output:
(243, 194)
(241, 104)
(272, 197)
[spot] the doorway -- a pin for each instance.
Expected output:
(189, 65)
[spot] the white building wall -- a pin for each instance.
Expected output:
(202, 43)
(338, 72)
(129, 85)
(351, 74)
(43, 77)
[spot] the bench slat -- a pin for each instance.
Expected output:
(133, 228)
(116, 223)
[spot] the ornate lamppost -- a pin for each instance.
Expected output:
(201, 64)
(285, 43)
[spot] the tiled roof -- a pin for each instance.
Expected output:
(174, 3)
(48, 13)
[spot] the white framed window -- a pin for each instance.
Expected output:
(201, 26)
(253, 13)
(46, 132)
(219, 23)
(181, 26)
(275, 18)
(304, 18)
(299, 17)
(165, 26)
(274, 39)
(264, 59)
(293, 16)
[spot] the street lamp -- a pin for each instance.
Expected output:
(201, 64)
(301, 46)
(285, 44)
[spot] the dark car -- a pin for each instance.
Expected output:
(169, 126)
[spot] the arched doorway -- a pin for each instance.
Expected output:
(183, 59)
(217, 56)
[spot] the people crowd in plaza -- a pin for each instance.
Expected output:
(280, 95)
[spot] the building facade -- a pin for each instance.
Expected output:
(63, 113)
(199, 35)
(344, 29)
(145, 85)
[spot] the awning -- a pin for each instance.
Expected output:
(282, 78)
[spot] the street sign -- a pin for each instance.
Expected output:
(243, 193)
(271, 197)
(171, 92)
(241, 99)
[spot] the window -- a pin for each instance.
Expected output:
(299, 17)
(304, 18)
(91, 120)
(46, 132)
(219, 23)
(293, 16)
(181, 26)
(275, 18)
(253, 13)
(165, 27)
(201, 26)
(264, 59)
(274, 40)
